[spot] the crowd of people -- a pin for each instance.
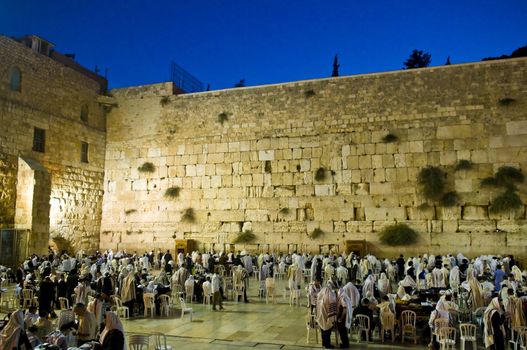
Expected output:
(337, 287)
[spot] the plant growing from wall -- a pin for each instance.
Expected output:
(507, 177)
(130, 211)
(164, 101)
(398, 235)
(449, 199)
(432, 182)
(244, 237)
(320, 174)
(309, 93)
(284, 211)
(267, 167)
(506, 202)
(223, 117)
(188, 216)
(147, 167)
(316, 233)
(463, 164)
(172, 192)
(506, 101)
(389, 138)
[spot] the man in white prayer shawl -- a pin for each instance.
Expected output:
(368, 286)
(344, 317)
(454, 277)
(326, 313)
(342, 275)
(438, 278)
(353, 293)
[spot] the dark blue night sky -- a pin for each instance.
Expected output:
(267, 41)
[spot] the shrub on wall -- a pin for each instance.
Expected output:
(172, 192)
(390, 138)
(398, 235)
(449, 199)
(244, 237)
(223, 117)
(506, 202)
(147, 167)
(463, 164)
(188, 216)
(164, 101)
(316, 233)
(506, 101)
(267, 167)
(309, 93)
(320, 174)
(432, 182)
(284, 211)
(130, 211)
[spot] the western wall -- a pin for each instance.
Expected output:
(49, 194)
(246, 159)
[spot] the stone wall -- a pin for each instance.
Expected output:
(263, 158)
(51, 97)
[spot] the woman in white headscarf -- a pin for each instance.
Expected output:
(383, 285)
(493, 326)
(13, 335)
(112, 336)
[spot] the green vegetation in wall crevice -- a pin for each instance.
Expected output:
(316, 233)
(463, 164)
(398, 235)
(172, 192)
(188, 216)
(320, 174)
(389, 138)
(244, 237)
(147, 167)
(223, 117)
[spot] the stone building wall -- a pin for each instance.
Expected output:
(51, 97)
(263, 158)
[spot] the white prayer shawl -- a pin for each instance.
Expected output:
(353, 294)
(128, 288)
(180, 259)
(10, 335)
(438, 278)
(329, 271)
(112, 322)
(383, 284)
(345, 301)
(488, 332)
(342, 274)
(326, 311)
(368, 286)
(81, 293)
(517, 273)
(408, 282)
(454, 277)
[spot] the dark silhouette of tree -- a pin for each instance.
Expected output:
(519, 52)
(336, 66)
(418, 59)
(241, 83)
(448, 63)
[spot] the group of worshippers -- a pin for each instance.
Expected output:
(448, 284)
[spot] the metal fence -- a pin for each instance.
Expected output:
(184, 80)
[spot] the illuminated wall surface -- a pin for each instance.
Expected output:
(341, 155)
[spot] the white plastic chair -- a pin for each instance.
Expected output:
(447, 338)
(311, 325)
(122, 311)
(207, 294)
(160, 341)
(468, 333)
(64, 303)
(164, 307)
(408, 320)
(185, 309)
(388, 324)
(269, 289)
(363, 326)
(150, 306)
(138, 342)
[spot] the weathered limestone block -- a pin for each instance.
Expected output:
(450, 226)
(477, 225)
(452, 213)
(471, 212)
(380, 188)
(518, 127)
(425, 213)
(284, 191)
(324, 190)
(266, 155)
(361, 189)
(447, 239)
(518, 214)
(511, 226)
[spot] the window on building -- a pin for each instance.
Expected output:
(84, 152)
(15, 79)
(84, 113)
(39, 140)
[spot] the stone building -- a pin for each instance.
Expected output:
(338, 157)
(52, 145)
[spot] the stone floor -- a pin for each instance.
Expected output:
(241, 326)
